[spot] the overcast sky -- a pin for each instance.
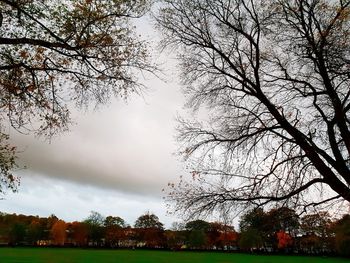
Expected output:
(115, 160)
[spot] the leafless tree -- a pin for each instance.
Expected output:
(273, 77)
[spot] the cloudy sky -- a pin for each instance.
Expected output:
(115, 160)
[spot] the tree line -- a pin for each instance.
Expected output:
(113, 232)
(275, 230)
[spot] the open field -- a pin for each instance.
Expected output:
(64, 255)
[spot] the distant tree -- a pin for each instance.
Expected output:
(171, 239)
(58, 233)
(150, 230)
(4, 229)
(48, 224)
(317, 231)
(221, 235)
(21, 229)
(94, 224)
(148, 220)
(55, 54)
(35, 231)
(197, 233)
(175, 239)
(229, 238)
(250, 239)
(17, 234)
(342, 235)
(114, 221)
(197, 225)
(266, 225)
(254, 229)
(282, 218)
(284, 239)
(255, 218)
(197, 239)
(273, 79)
(318, 224)
(80, 233)
(176, 236)
(214, 234)
(114, 230)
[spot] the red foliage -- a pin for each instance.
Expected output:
(284, 239)
(79, 233)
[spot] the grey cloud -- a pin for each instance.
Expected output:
(126, 147)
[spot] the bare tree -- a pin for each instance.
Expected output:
(274, 78)
(59, 53)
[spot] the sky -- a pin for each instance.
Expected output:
(115, 160)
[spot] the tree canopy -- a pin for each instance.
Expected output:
(148, 220)
(273, 79)
(54, 54)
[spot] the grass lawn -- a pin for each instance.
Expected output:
(64, 255)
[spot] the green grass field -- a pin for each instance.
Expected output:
(52, 255)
